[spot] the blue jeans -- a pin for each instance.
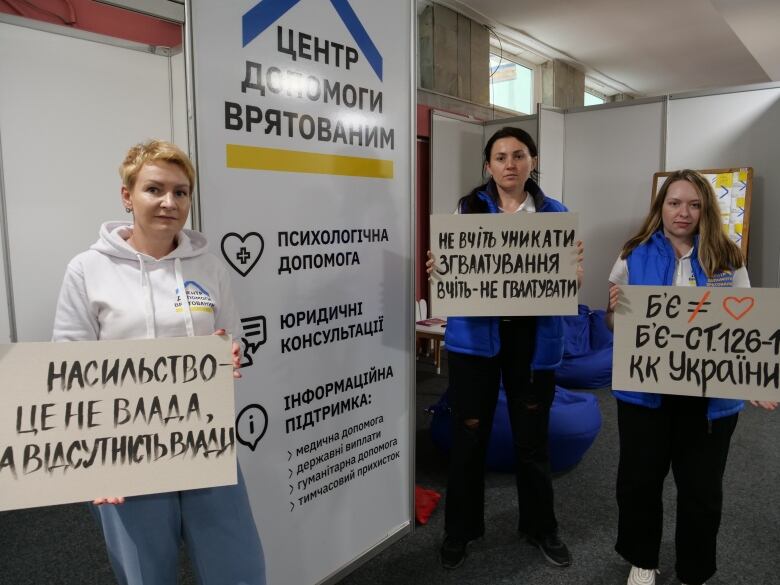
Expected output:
(143, 537)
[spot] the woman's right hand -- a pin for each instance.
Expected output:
(430, 265)
(614, 293)
(113, 501)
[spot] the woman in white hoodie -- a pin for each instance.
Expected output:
(151, 278)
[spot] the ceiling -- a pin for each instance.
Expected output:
(642, 47)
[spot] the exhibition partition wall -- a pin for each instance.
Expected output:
(304, 115)
(455, 160)
(71, 104)
(551, 140)
(6, 308)
(609, 157)
(737, 127)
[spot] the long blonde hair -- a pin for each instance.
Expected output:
(716, 251)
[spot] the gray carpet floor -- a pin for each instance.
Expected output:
(749, 543)
(62, 545)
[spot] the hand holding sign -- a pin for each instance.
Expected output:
(580, 245)
(235, 354)
(114, 501)
(430, 264)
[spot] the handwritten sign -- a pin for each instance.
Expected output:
(718, 342)
(92, 419)
(504, 264)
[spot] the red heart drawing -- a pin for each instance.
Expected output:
(740, 310)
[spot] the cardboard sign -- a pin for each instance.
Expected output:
(695, 341)
(503, 264)
(93, 419)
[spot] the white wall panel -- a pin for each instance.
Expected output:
(611, 155)
(5, 327)
(551, 153)
(736, 130)
(527, 123)
(456, 160)
(69, 110)
(179, 101)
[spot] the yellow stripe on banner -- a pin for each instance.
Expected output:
(297, 161)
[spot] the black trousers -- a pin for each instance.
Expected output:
(474, 383)
(651, 440)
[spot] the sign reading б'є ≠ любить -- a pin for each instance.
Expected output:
(504, 264)
(93, 419)
(718, 342)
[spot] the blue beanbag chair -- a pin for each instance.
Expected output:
(575, 421)
(587, 352)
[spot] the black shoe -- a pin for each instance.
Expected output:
(553, 549)
(452, 552)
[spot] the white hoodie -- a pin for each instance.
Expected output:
(111, 291)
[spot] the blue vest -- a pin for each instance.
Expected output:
(480, 336)
(653, 263)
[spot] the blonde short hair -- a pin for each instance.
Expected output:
(151, 151)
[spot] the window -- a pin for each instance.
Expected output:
(511, 85)
(591, 99)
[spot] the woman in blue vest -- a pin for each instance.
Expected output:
(680, 243)
(523, 352)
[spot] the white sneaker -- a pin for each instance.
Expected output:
(639, 576)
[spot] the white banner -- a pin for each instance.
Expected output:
(696, 341)
(304, 133)
(90, 419)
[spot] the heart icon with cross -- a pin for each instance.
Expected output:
(242, 252)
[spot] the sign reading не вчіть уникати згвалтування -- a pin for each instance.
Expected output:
(504, 264)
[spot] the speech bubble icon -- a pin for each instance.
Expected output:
(251, 424)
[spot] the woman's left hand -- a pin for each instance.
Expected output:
(765, 404)
(580, 258)
(236, 350)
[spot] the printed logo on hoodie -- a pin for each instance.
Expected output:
(198, 297)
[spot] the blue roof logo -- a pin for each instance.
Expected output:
(192, 284)
(267, 12)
